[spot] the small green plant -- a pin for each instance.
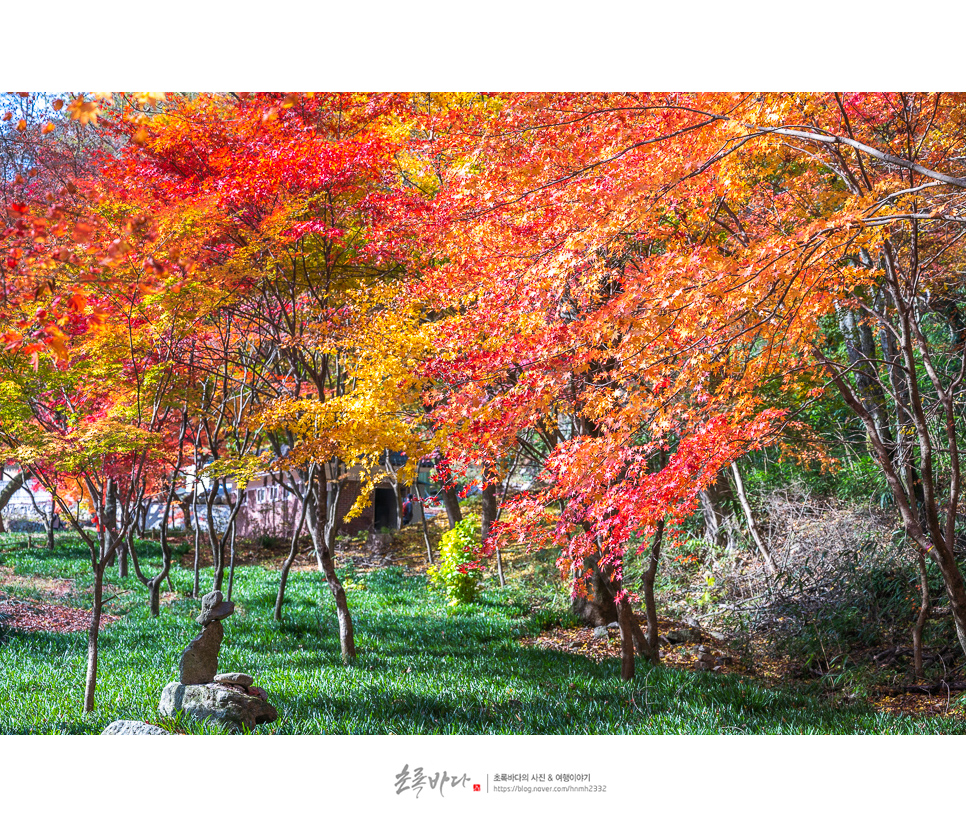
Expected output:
(705, 599)
(456, 573)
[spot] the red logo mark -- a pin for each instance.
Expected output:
(476, 787)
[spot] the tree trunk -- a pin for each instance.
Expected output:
(861, 350)
(750, 519)
(323, 527)
(592, 603)
(92, 635)
(196, 587)
(397, 492)
(217, 553)
(9, 489)
(289, 561)
(499, 510)
(489, 505)
(717, 509)
(50, 525)
(630, 631)
(122, 568)
(924, 607)
(650, 606)
(110, 520)
(425, 523)
(451, 502)
(304, 497)
(499, 568)
(625, 618)
(347, 643)
(231, 563)
(154, 593)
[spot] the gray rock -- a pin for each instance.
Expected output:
(225, 707)
(600, 633)
(214, 608)
(199, 663)
(380, 544)
(133, 728)
(704, 665)
(683, 635)
(235, 677)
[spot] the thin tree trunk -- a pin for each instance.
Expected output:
(924, 606)
(451, 502)
(50, 526)
(400, 501)
(110, 520)
(101, 554)
(152, 583)
(650, 606)
(290, 560)
(196, 587)
(499, 567)
(750, 519)
(489, 504)
(92, 635)
(213, 538)
(499, 512)
(323, 526)
(231, 569)
(222, 541)
(347, 643)
(422, 516)
(625, 621)
(122, 568)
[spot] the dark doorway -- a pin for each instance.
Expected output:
(384, 509)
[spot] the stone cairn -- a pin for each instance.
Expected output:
(229, 699)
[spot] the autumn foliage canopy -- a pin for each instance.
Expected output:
(632, 290)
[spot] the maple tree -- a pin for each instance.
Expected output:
(630, 270)
(281, 202)
(78, 426)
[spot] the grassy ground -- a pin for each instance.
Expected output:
(421, 668)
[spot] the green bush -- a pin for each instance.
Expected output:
(457, 573)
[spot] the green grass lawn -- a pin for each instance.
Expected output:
(422, 668)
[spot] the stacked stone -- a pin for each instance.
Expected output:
(229, 699)
(199, 663)
(708, 660)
